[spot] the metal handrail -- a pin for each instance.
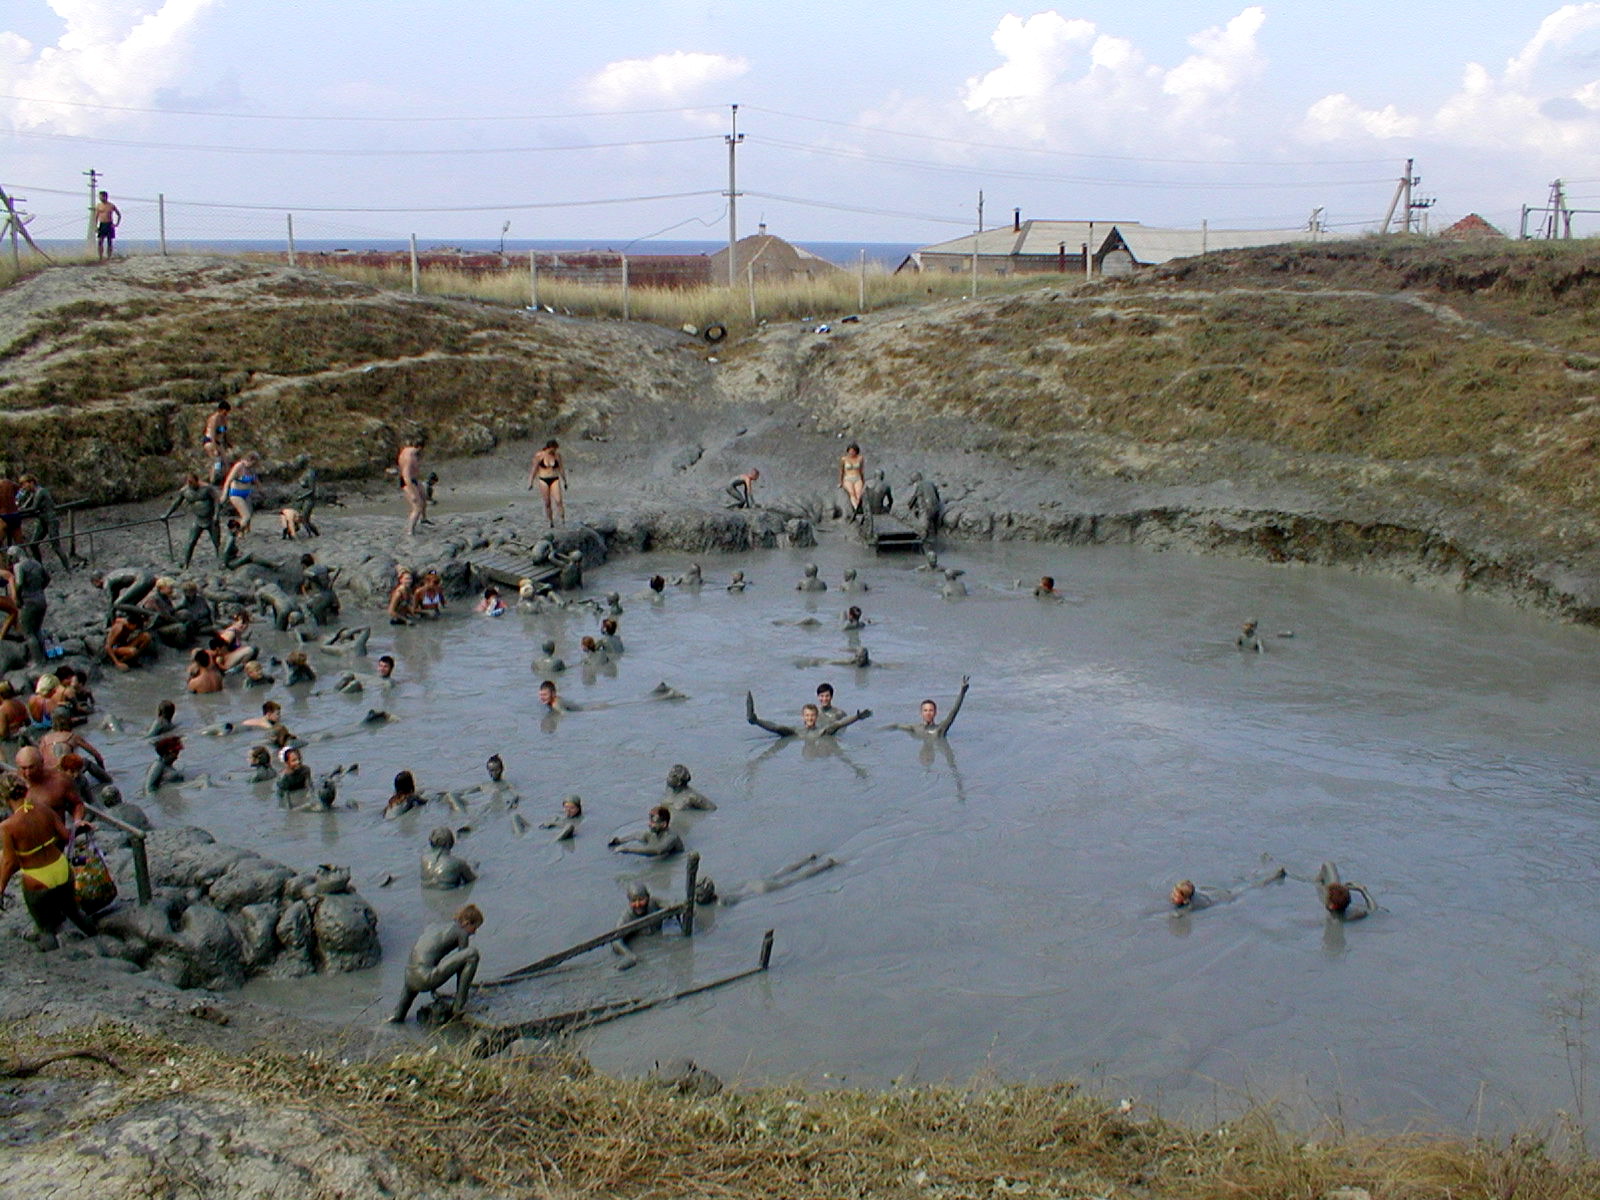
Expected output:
(141, 861)
(71, 508)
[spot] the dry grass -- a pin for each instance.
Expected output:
(821, 299)
(549, 1127)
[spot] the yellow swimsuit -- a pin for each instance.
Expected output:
(51, 875)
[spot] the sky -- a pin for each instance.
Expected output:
(609, 122)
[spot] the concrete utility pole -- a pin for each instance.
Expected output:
(978, 237)
(1558, 221)
(94, 185)
(733, 138)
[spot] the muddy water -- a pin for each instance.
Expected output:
(998, 907)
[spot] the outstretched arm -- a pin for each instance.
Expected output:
(750, 716)
(829, 730)
(955, 709)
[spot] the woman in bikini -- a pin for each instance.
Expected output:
(239, 486)
(214, 441)
(853, 476)
(550, 473)
(429, 598)
(33, 843)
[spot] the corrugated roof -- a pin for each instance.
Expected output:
(1035, 237)
(1151, 246)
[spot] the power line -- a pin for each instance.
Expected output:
(995, 173)
(306, 150)
(245, 116)
(459, 208)
(876, 212)
(989, 145)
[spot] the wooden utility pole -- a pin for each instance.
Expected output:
(94, 183)
(977, 238)
(733, 138)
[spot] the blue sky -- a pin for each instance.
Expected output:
(863, 122)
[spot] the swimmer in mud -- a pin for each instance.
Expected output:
(826, 710)
(609, 639)
(441, 954)
(743, 489)
(810, 725)
(738, 583)
(405, 797)
(691, 578)
(566, 825)
(665, 691)
(657, 841)
(255, 675)
(811, 865)
(496, 789)
(1248, 638)
(440, 866)
(952, 588)
(852, 583)
(1335, 895)
(164, 723)
(295, 776)
(930, 562)
(345, 641)
(1186, 898)
(165, 769)
(809, 582)
(259, 769)
(552, 702)
(1045, 589)
(930, 725)
(300, 669)
(640, 904)
(681, 796)
(548, 662)
(859, 657)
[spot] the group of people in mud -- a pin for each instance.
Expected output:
(57, 773)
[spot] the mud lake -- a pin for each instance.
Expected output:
(998, 910)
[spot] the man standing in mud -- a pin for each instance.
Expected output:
(410, 465)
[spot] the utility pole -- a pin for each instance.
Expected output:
(733, 138)
(1402, 196)
(978, 237)
(1558, 221)
(94, 181)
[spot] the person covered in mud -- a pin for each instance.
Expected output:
(33, 844)
(706, 892)
(640, 904)
(609, 639)
(258, 767)
(295, 776)
(879, 498)
(1249, 638)
(549, 662)
(255, 675)
(681, 796)
(1045, 589)
(738, 583)
(552, 702)
(859, 657)
(303, 500)
(952, 588)
(852, 582)
(810, 725)
(300, 669)
(124, 588)
(657, 841)
(852, 620)
(201, 502)
(165, 722)
(1335, 895)
(692, 577)
(925, 505)
(743, 489)
(441, 954)
(36, 501)
(1186, 898)
(826, 709)
(405, 797)
(441, 867)
(930, 725)
(165, 769)
(809, 581)
(566, 825)
(29, 581)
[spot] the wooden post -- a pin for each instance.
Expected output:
(750, 282)
(626, 312)
(291, 239)
(690, 878)
(861, 292)
(533, 280)
(416, 270)
(766, 950)
(161, 220)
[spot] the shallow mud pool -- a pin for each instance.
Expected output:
(999, 904)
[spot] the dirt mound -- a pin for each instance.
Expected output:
(144, 347)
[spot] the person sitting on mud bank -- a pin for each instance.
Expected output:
(126, 641)
(931, 726)
(441, 954)
(743, 489)
(429, 600)
(124, 588)
(657, 841)
(402, 598)
(809, 726)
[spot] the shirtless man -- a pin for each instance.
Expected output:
(640, 904)
(441, 954)
(31, 579)
(50, 788)
(126, 641)
(63, 739)
(825, 708)
(809, 726)
(743, 489)
(681, 796)
(657, 841)
(124, 588)
(409, 464)
(809, 581)
(551, 702)
(165, 769)
(200, 500)
(931, 726)
(925, 505)
(1046, 588)
(440, 867)
(548, 662)
(852, 583)
(107, 216)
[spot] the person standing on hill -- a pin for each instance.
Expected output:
(409, 464)
(550, 473)
(107, 216)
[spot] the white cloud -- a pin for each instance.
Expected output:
(1546, 100)
(111, 52)
(1061, 78)
(676, 78)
